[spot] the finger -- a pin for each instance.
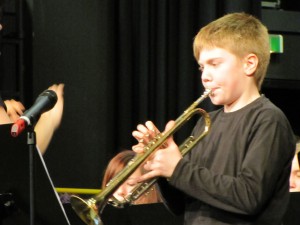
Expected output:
(14, 117)
(148, 176)
(60, 89)
(20, 108)
(147, 133)
(53, 87)
(169, 125)
(144, 133)
(139, 148)
(140, 137)
(137, 135)
(141, 128)
(151, 127)
(132, 181)
(153, 130)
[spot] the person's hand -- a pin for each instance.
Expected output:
(144, 134)
(14, 109)
(164, 160)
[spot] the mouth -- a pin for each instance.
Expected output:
(211, 91)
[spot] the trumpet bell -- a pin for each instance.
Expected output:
(86, 210)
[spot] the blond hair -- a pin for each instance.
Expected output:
(239, 33)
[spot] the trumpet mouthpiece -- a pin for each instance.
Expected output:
(207, 92)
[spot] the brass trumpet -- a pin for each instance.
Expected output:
(88, 210)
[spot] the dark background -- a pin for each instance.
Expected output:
(125, 62)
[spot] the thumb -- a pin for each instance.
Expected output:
(169, 126)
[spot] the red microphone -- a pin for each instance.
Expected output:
(18, 127)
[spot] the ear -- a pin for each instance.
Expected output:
(250, 64)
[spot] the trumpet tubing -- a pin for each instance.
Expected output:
(88, 210)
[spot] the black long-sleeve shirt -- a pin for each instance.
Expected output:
(239, 173)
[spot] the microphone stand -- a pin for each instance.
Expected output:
(31, 141)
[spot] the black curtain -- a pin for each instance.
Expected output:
(123, 63)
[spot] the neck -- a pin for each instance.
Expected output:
(246, 98)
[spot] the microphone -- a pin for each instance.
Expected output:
(43, 103)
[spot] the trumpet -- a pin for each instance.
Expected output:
(89, 209)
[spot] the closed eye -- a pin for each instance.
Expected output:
(201, 68)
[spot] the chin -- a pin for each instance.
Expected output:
(216, 101)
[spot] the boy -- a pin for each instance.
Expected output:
(239, 173)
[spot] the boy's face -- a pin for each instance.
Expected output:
(295, 176)
(223, 73)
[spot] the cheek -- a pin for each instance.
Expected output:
(225, 80)
(297, 180)
(225, 75)
(234, 80)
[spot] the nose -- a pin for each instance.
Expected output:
(206, 76)
(292, 182)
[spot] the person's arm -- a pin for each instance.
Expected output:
(50, 120)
